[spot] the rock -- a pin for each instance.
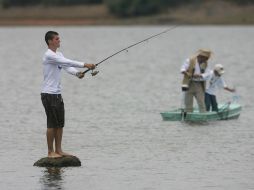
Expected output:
(64, 161)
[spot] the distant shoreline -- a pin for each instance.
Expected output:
(208, 13)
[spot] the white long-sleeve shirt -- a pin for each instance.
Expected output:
(53, 62)
(215, 83)
(197, 70)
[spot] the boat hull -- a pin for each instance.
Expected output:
(226, 111)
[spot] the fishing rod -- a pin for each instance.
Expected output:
(124, 49)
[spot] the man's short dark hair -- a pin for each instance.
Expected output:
(50, 35)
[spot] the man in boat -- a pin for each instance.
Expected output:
(53, 63)
(215, 82)
(195, 70)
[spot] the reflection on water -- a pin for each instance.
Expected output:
(52, 178)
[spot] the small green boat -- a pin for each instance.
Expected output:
(226, 111)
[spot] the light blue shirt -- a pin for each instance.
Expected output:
(215, 83)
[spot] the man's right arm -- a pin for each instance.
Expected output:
(185, 66)
(62, 61)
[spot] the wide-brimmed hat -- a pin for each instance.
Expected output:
(219, 69)
(204, 52)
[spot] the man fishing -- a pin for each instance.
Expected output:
(53, 63)
(195, 70)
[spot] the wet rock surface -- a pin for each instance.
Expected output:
(65, 161)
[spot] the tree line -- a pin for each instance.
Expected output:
(11, 3)
(124, 8)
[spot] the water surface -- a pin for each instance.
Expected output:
(112, 120)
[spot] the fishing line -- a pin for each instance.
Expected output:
(126, 49)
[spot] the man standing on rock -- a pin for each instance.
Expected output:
(53, 63)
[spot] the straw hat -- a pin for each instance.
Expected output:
(204, 52)
(219, 69)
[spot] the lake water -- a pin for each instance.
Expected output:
(112, 120)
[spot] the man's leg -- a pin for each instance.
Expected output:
(60, 122)
(50, 140)
(207, 101)
(58, 142)
(188, 102)
(189, 98)
(214, 103)
(200, 97)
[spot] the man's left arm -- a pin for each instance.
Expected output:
(229, 89)
(73, 71)
(225, 86)
(207, 75)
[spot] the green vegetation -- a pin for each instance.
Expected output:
(122, 8)
(242, 2)
(133, 7)
(140, 7)
(11, 3)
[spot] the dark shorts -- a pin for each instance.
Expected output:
(54, 108)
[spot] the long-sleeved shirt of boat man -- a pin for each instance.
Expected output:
(216, 82)
(194, 72)
(53, 63)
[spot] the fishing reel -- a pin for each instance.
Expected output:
(93, 73)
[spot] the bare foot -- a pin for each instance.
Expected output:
(64, 154)
(54, 155)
